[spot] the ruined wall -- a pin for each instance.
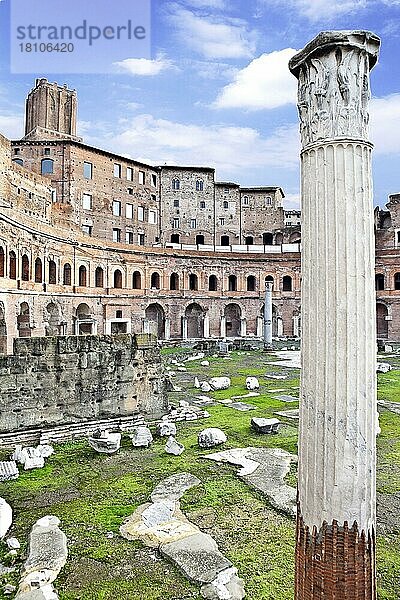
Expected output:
(52, 381)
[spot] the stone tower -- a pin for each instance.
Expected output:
(51, 111)
(335, 546)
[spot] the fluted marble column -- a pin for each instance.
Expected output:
(268, 316)
(335, 551)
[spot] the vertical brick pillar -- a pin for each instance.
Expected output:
(335, 552)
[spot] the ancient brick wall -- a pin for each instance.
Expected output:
(51, 381)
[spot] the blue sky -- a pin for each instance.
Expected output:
(217, 91)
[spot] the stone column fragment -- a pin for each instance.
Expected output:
(335, 553)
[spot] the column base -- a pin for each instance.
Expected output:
(334, 563)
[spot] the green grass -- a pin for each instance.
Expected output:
(92, 494)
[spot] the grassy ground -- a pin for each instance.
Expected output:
(92, 494)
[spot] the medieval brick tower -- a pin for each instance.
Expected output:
(51, 111)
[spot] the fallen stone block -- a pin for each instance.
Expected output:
(266, 426)
(252, 383)
(13, 543)
(8, 470)
(205, 363)
(219, 383)
(174, 447)
(226, 586)
(205, 386)
(6, 516)
(45, 450)
(105, 442)
(165, 429)
(141, 437)
(383, 367)
(211, 437)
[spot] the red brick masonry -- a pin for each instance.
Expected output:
(334, 563)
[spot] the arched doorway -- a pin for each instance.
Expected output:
(195, 321)
(382, 324)
(233, 316)
(155, 317)
(3, 330)
(52, 317)
(85, 323)
(23, 321)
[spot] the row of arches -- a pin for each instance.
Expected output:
(380, 282)
(268, 239)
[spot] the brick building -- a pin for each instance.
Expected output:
(93, 242)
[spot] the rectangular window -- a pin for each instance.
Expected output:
(117, 170)
(129, 173)
(129, 237)
(222, 221)
(54, 195)
(87, 229)
(129, 211)
(153, 198)
(268, 201)
(140, 213)
(193, 224)
(116, 235)
(87, 202)
(176, 203)
(202, 204)
(47, 151)
(130, 191)
(153, 180)
(141, 239)
(87, 170)
(117, 208)
(245, 201)
(175, 224)
(152, 217)
(141, 177)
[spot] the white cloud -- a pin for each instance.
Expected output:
(11, 126)
(264, 84)
(213, 36)
(321, 10)
(291, 202)
(385, 124)
(144, 66)
(219, 4)
(230, 149)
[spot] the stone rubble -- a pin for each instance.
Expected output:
(6, 516)
(265, 426)
(162, 525)
(252, 383)
(272, 466)
(29, 457)
(219, 383)
(383, 367)
(211, 437)
(174, 447)
(141, 437)
(205, 363)
(47, 555)
(165, 429)
(13, 543)
(8, 470)
(105, 442)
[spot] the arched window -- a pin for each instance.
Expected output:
(225, 240)
(13, 265)
(379, 282)
(19, 161)
(295, 238)
(251, 283)
(193, 282)
(175, 239)
(269, 279)
(38, 271)
(268, 239)
(232, 283)
(99, 277)
(155, 281)
(287, 284)
(176, 184)
(52, 272)
(174, 281)
(117, 279)
(212, 283)
(25, 268)
(67, 279)
(199, 185)
(226, 204)
(2, 265)
(82, 276)
(47, 166)
(200, 240)
(249, 240)
(136, 281)
(268, 201)
(397, 281)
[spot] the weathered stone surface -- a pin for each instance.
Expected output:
(265, 425)
(383, 367)
(47, 555)
(219, 383)
(141, 437)
(226, 586)
(45, 450)
(31, 459)
(252, 383)
(197, 557)
(13, 543)
(205, 363)
(174, 447)
(205, 386)
(159, 512)
(5, 517)
(211, 437)
(287, 398)
(8, 470)
(165, 429)
(174, 487)
(105, 442)
(196, 383)
(273, 464)
(292, 414)
(242, 406)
